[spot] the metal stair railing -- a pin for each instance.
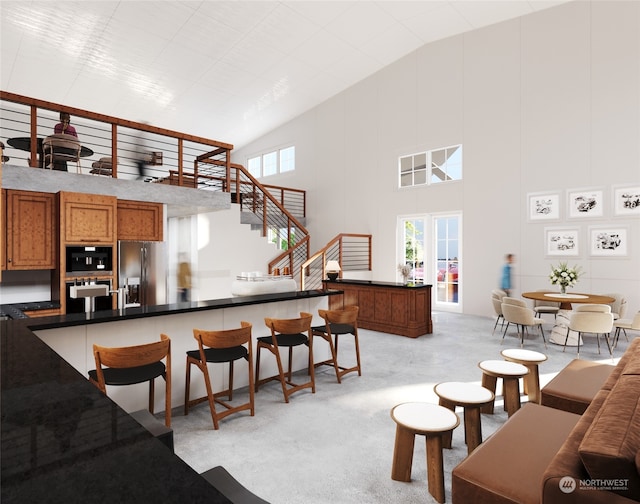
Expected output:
(352, 251)
(276, 222)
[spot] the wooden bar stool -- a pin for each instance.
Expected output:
(287, 333)
(339, 322)
(510, 372)
(530, 359)
(471, 397)
(432, 421)
(224, 346)
(117, 366)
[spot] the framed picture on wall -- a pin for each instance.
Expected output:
(586, 203)
(562, 241)
(608, 241)
(626, 200)
(544, 206)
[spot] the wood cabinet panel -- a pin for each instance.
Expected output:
(140, 221)
(3, 230)
(386, 307)
(87, 218)
(42, 313)
(30, 230)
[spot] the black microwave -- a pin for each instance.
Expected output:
(94, 259)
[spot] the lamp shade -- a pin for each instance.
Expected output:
(332, 266)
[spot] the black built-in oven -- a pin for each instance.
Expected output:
(89, 260)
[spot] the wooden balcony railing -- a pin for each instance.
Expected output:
(118, 140)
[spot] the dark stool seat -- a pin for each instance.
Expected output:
(130, 376)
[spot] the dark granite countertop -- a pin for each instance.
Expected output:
(16, 310)
(374, 283)
(62, 441)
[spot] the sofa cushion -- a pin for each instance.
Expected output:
(610, 445)
(575, 386)
(495, 471)
(567, 464)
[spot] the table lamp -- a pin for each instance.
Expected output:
(332, 268)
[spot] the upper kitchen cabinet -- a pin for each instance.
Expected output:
(140, 221)
(30, 230)
(87, 218)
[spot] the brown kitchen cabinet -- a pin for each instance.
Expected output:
(30, 230)
(3, 229)
(385, 306)
(140, 221)
(42, 313)
(87, 218)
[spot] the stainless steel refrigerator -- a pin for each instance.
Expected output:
(142, 271)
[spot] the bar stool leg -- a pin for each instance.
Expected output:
(511, 395)
(489, 382)
(472, 428)
(402, 454)
(435, 467)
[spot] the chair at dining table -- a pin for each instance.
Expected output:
(618, 306)
(59, 148)
(546, 307)
(591, 319)
(516, 312)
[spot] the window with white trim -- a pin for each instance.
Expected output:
(272, 163)
(431, 167)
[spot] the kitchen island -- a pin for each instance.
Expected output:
(63, 441)
(389, 307)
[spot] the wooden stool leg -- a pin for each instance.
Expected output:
(447, 436)
(511, 395)
(402, 454)
(472, 428)
(532, 383)
(435, 467)
(489, 382)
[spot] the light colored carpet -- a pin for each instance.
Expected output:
(336, 446)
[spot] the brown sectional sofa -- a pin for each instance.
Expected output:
(550, 454)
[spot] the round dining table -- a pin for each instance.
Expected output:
(24, 144)
(567, 299)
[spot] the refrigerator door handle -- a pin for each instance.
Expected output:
(143, 279)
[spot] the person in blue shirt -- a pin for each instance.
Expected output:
(505, 280)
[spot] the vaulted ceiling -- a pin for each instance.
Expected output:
(226, 70)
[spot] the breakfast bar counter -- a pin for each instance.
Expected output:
(64, 441)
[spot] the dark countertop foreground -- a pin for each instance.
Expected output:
(62, 441)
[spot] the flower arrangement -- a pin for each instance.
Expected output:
(405, 271)
(564, 276)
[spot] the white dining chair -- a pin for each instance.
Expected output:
(623, 325)
(591, 318)
(61, 148)
(516, 312)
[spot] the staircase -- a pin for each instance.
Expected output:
(279, 214)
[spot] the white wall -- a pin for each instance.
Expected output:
(547, 102)
(224, 249)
